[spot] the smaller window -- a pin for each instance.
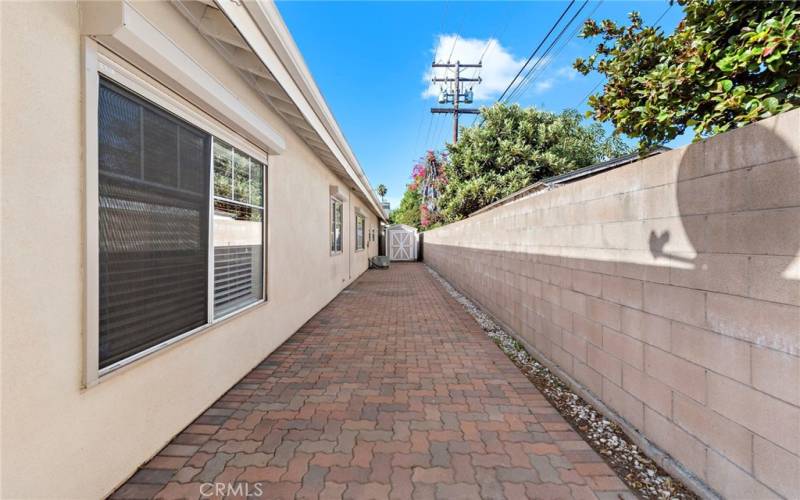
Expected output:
(336, 226)
(359, 232)
(238, 229)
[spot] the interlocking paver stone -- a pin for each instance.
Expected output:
(392, 390)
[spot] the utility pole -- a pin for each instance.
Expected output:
(455, 95)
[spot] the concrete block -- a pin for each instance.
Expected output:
(763, 142)
(587, 282)
(725, 273)
(551, 293)
(673, 302)
(767, 279)
(777, 374)
(626, 348)
(766, 324)
(776, 467)
(602, 311)
(772, 186)
(660, 201)
(665, 167)
(604, 363)
(588, 329)
(676, 372)
(768, 232)
(732, 482)
(771, 418)
(685, 448)
(755, 188)
(624, 403)
(575, 345)
(621, 180)
(573, 301)
(624, 235)
(561, 276)
(642, 265)
(721, 434)
(653, 393)
(590, 378)
(670, 238)
(562, 358)
(624, 291)
(724, 355)
(562, 317)
(648, 328)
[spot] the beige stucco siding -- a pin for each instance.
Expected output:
(59, 440)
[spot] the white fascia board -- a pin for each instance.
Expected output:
(261, 26)
(117, 25)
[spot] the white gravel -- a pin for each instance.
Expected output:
(643, 475)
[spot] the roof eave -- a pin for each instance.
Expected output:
(293, 75)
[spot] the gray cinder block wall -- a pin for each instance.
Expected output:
(669, 289)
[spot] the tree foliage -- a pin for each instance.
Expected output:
(408, 212)
(382, 190)
(727, 64)
(419, 205)
(514, 148)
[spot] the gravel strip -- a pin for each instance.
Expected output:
(639, 472)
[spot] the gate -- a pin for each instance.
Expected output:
(402, 241)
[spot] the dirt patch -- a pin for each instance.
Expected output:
(636, 469)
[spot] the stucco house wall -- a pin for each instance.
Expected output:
(669, 291)
(60, 439)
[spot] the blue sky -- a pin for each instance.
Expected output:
(371, 61)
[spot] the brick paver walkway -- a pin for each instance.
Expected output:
(391, 391)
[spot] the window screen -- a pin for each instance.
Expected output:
(153, 234)
(238, 229)
(359, 232)
(336, 225)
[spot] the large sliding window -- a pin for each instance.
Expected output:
(158, 276)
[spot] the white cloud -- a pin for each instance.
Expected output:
(499, 65)
(499, 68)
(543, 85)
(567, 72)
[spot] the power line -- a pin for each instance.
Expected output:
(493, 39)
(520, 89)
(428, 135)
(663, 14)
(532, 77)
(589, 94)
(453, 48)
(536, 50)
(458, 34)
(444, 16)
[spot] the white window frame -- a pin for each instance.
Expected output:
(211, 236)
(97, 62)
(363, 220)
(334, 201)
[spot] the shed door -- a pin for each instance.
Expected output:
(401, 245)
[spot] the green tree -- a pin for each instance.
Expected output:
(514, 148)
(382, 191)
(408, 212)
(727, 64)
